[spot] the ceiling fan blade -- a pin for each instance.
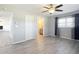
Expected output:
(59, 6)
(58, 10)
(44, 11)
(46, 7)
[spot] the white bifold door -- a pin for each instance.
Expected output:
(30, 27)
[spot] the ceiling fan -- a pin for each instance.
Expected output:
(52, 8)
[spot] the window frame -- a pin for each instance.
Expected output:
(65, 24)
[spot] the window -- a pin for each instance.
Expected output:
(70, 22)
(61, 22)
(66, 22)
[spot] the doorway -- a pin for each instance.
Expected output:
(40, 26)
(5, 30)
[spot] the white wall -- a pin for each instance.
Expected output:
(49, 26)
(46, 27)
(18, 28)
(52, 26)
(24, 27)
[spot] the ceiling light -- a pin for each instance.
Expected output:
(51, 11)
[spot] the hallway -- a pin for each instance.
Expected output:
(43, 45)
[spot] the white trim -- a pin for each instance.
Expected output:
(66, 38)
(20, 41)
(45, 36)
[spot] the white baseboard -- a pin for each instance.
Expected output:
(19, 41)
(66, 38)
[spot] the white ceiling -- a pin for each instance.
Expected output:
(37, 8)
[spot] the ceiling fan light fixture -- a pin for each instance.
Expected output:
(51, 8)
(51, 11)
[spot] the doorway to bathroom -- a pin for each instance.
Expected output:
(40, 25)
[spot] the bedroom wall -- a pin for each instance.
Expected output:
(49, 26)
(18, 28)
